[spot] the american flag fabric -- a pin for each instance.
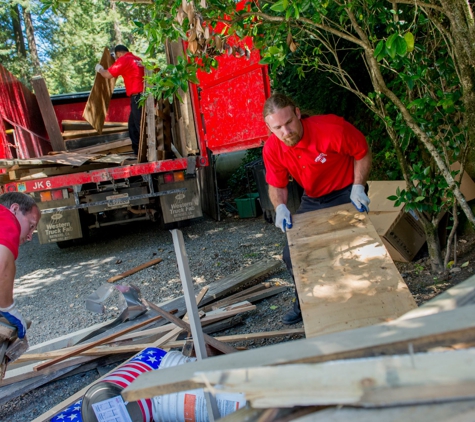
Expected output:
(147, 360)
(71, 414)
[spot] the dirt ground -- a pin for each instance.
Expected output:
(424, 284)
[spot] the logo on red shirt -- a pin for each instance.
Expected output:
(321, 158)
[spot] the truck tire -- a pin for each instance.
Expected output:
(65, 244)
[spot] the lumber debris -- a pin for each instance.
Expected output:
(101, 93)
(393, 337)
(417, 378)
(134, 270)
(48, 114)
(91, 345)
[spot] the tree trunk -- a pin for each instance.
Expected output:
(17, 32)
(433, 245)
(117, 35)
(30, 34)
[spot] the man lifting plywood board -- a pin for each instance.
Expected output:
(344, 276)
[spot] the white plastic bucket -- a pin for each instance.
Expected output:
(190, 406)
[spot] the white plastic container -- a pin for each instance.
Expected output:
(190, 406)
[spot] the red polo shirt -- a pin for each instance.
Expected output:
(130, 67)
(323, 160)
(10, 230)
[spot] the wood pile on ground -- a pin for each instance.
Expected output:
(222, 305)
(418, 367)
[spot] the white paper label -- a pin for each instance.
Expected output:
(111, 410)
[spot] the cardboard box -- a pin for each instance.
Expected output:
(402, 233)
(467, 187)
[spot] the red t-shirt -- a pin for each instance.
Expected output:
(323, 160)
(10, 230)
(130, 67)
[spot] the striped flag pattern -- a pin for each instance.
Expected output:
(147, 360)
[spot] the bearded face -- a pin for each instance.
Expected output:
(286, 125)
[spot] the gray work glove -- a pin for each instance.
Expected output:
(359, 198)
(99, 67)
(283, 220)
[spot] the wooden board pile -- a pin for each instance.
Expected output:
(418, 368)
(222, 305)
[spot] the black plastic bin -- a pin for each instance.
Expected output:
(259, 174)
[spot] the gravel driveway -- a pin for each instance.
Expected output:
(52, 283)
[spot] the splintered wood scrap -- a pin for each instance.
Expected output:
(421, 377)
(208, 339)
(6, 331)
(388, 338)
(95, 343)
(134, 270)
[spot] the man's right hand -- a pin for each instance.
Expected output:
(99, 67)
(283, 219)
(14, 317)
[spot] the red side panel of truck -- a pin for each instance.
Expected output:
(71, 107)
(23, 134)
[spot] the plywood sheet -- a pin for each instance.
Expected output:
(344, 275)
(100, 96)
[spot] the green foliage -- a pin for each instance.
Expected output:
(70, 36)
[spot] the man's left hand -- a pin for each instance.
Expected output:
(14, 317)
(99, 67)
(359, 198)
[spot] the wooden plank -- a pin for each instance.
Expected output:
(460, 295)
(134, 270)
(389, 338)
(187, 142)
(103, 148)
(27, 372)
(229, 299)
(101, 93)
(48, 114)
(207, 338)
(78, 134)
(252, 297)
(150, 124)
(142, 152)
(83, 125)
(344, 275)
(222, 287)
(380, 381)
(458, 411)
(95, 343)
(92, 141)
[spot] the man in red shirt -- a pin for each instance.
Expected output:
(19, 216)
(326, 155)
(130, 67)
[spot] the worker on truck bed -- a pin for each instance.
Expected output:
(325, 154)
(130, 67)
(19, 216)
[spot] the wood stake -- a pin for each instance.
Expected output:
(134, 270)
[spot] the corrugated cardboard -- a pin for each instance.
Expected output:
(402, 233)
(467, 187)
